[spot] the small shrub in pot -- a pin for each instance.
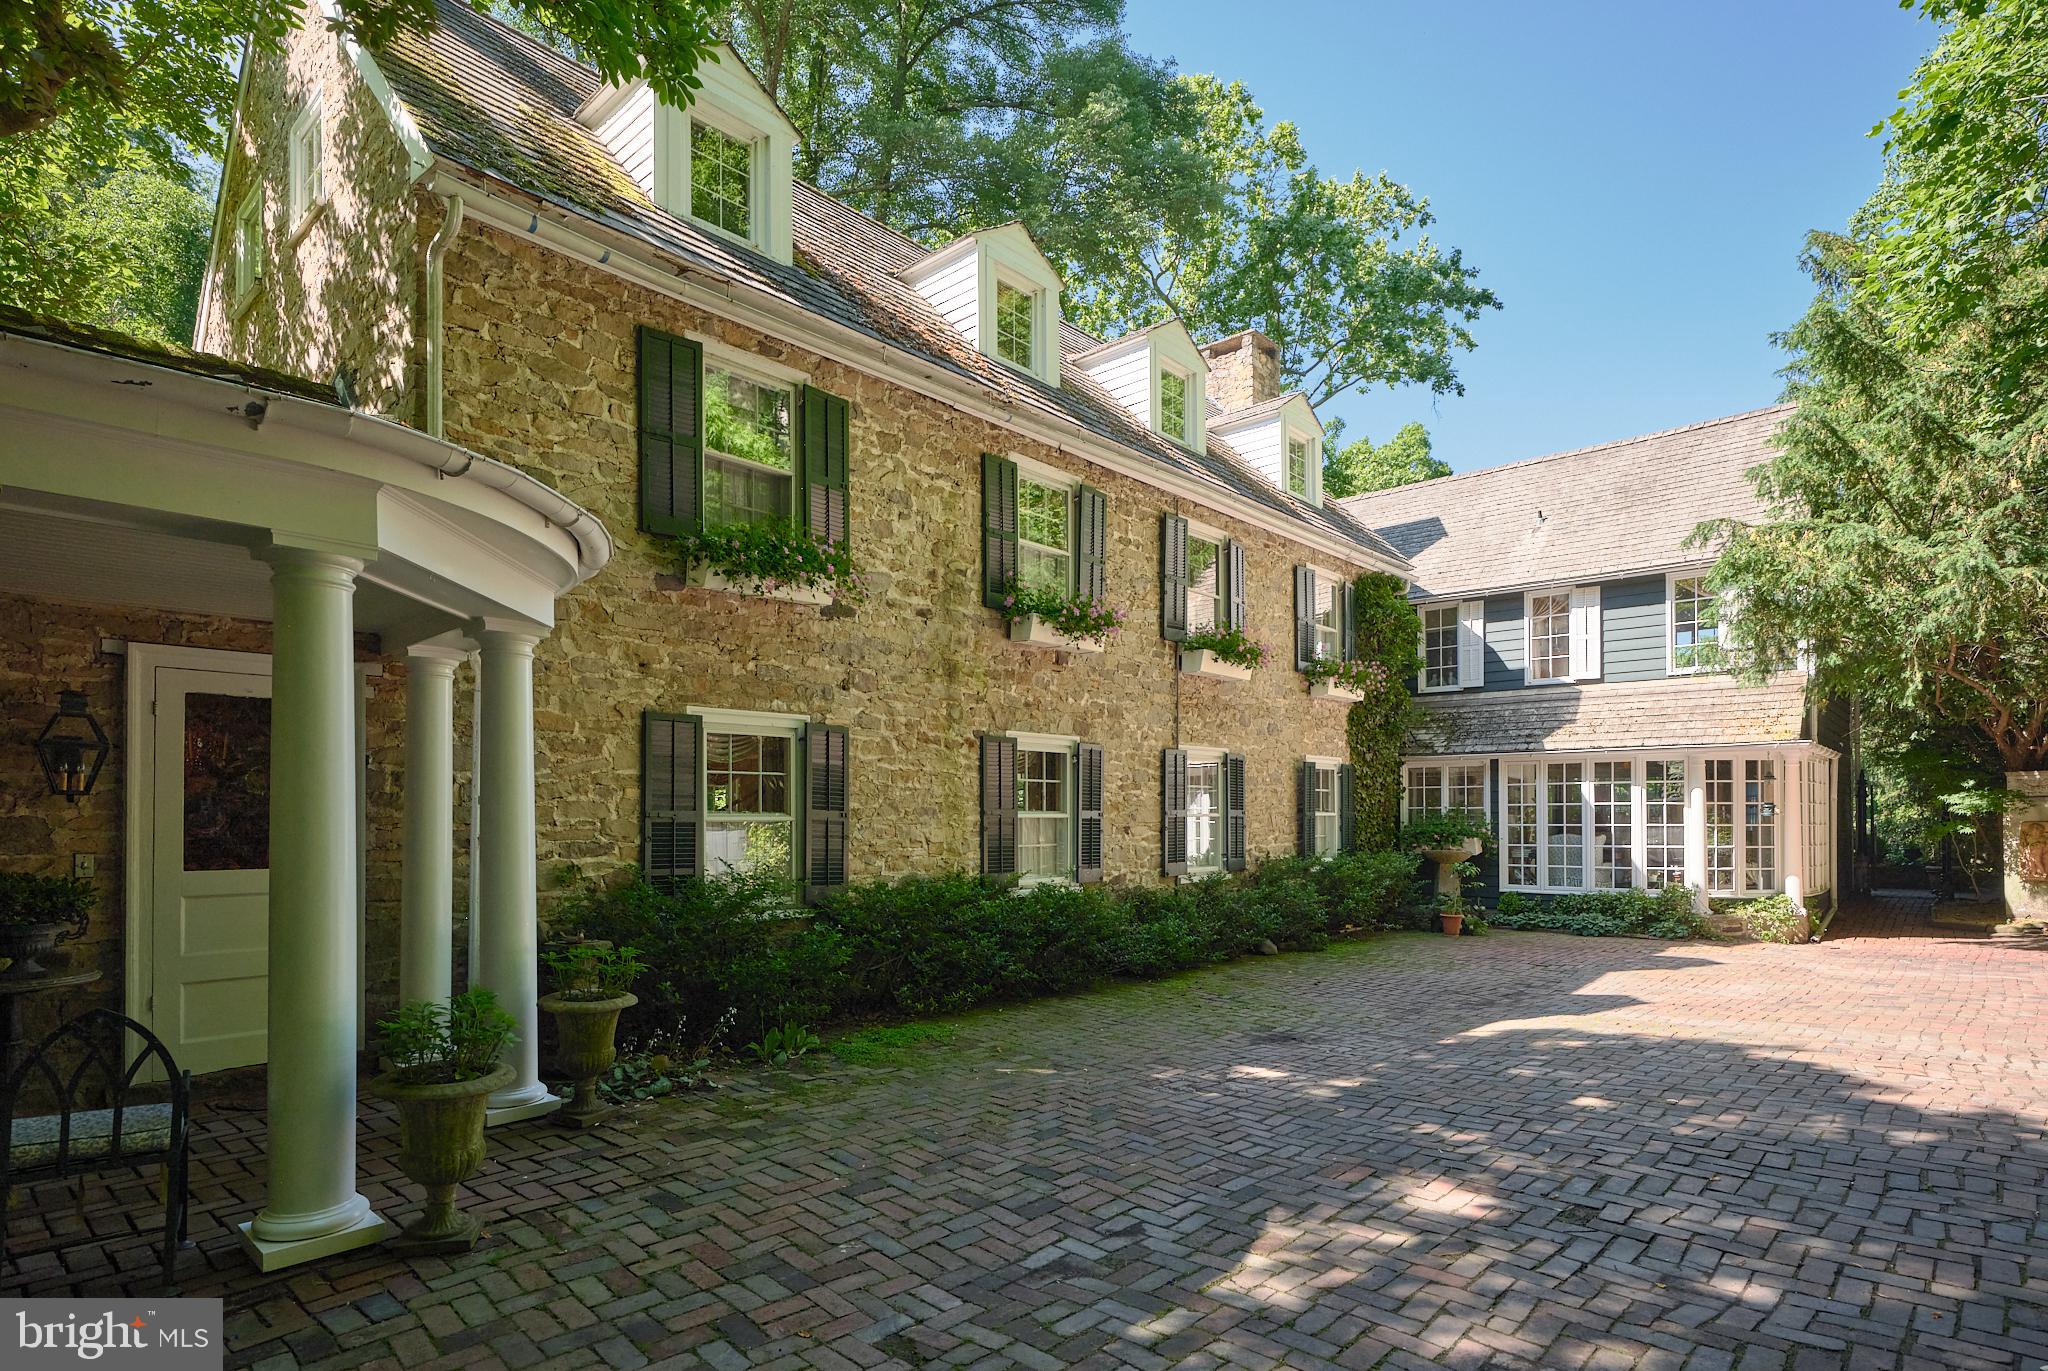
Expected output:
(592, 988)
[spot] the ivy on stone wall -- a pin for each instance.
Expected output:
(1387, 631)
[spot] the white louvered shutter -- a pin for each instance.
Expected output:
(1471, 644)
(1585, 633)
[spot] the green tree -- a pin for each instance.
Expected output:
(1338, 271)
(1402, 460)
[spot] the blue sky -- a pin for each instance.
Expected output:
(1632, 179)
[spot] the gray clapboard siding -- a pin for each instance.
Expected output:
(1504, 643)
(1632, 629)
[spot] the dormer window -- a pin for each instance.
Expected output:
(1173, 404)
(1016, 325)
(721, 179)
(1297, 465)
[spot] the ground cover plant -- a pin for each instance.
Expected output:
(1667, 913)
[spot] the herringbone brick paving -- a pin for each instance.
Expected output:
(1516, 1151)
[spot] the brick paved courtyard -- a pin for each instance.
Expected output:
(1522, 1150)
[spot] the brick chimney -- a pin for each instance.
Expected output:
(1244, 370)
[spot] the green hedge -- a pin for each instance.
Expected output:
(1604, 913)
(726, 960)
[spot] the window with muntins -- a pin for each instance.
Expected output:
(1695, 622)
(1550, 637)
(1759, 826)
(306, 171)
(1564, 825)
(1437, 788)
(1205, 814)
(1297, 465)
(1663, 824)
(721, 179)
(749, 456)
(1205, 586)
(248, 258)
(1045, 818)
(1327, 818)
(748, 803)
(1521, 826)
(1718, 783)
(1440, 647)
(1044, 534)
(1016, 321)
(1173, 405)
(1613, 805)
(1329, 636)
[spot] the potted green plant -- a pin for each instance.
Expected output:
(37, 913)
(1451, 841)
(1451, 910)
(1058, 618)
(445, 1062)
(1226, 652)
(592, 988)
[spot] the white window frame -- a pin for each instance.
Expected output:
(1331, 582)
(306, 168)
(246, 250)
(1038, 474)
(1456, 682)
(739, 130)
(1529, 598)
(1672, 581)
(1332, 770)
(1000, 281)
(1311, 473)
(1187, 406)
(1202, 533)
(764, 724)
(1444, 766)
(738, 364)
(1220, 820)
(1070, 748)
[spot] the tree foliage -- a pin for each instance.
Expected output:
(1402, 460)
(1338, 271)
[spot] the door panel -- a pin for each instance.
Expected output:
(210, 836)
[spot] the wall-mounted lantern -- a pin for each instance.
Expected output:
(72, 747)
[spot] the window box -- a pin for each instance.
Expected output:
(1330, 690)
(710, 578)
(1202, 662)
(1029, 628)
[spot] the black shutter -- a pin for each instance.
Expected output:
(671, 434)
(998, 805)
(1304, 617)
(1091, 537)
(825, 808)
(1173, 578)
(1233, 565)
(671, 818)
(1173, 792)
(1346, 633)
(1305, 810)
(1347, 822)
(1233, 811)
(998, 528)
(1088, 813)
(826, 466)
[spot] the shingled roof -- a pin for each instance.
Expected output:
(1678, 712)
(1597, 513)
(488, 99)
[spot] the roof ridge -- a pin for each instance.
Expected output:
(1523, 462)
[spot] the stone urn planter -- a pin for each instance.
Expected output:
(585, 1032)
(25, 945)
(37, 913)
(441, 1145)
(1448, 885)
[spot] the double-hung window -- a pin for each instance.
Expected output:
(1325, 816)
(1329, 633)
(248, 245)
(1173, 404)
(305, 172)
(749, 802)
(1205, 811)
(1044, 533)
(721, 179)
(1695, 617)
(1550, 636)
(1297, 465)
(1440, 647)
(1613, 820)
(749, 454)
(1045, 811)
(1016, 326)
(1663, 823)
(1205, 584)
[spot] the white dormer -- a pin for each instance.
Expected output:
(1001, 293)
(724, 163)
(1161, 377)
(1280, 439)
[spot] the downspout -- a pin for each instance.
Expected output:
(437, 253)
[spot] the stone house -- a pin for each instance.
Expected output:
(1572, 687)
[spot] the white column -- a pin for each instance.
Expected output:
(1791, 827)
(1696, 829)
(426, 921)
(508, 936)
(311, 1208)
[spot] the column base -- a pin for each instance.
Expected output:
(526, 1109)
(272, 1255)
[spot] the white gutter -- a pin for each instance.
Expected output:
(202, 392)
(624, 256)
(437, 254)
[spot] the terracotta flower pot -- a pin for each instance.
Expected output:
(585, 1032)
(1454, 924)
(440, 1145)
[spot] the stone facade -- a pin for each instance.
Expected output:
(1244, 370)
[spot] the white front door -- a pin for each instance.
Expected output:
(209, 862)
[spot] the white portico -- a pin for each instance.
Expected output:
(159, 481)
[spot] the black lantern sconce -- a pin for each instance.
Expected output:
(72, 747)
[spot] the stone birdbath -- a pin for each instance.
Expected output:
(1448, 884)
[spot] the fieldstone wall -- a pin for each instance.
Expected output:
(540, 373)
(46, 647)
